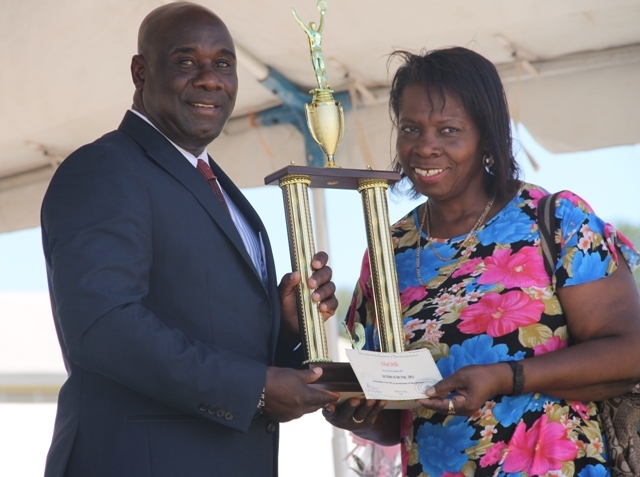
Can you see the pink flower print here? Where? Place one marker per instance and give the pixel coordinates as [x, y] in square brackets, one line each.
[543, 448]
[474, 295]
[365, 274]
[610, 233]
[587, 232]
[520, 270]
[536, 194]
[467, 267]
[581, 446]
[575, 200]
[493, 454]
[488, 432]
[552, 344]
[411, 294]
[598, 445]
[351, 316]
[453, 474]
[498, 315]
[569, 424]
[411, 326]
[432, 333]
[581, 409]
[584, 243]
[406, 425]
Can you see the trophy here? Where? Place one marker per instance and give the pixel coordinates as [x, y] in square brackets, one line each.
[325, 120]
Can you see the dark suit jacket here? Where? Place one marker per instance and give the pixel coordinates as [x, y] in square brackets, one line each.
[165, 326]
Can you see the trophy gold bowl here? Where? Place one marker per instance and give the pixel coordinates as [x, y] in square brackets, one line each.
[325, 120]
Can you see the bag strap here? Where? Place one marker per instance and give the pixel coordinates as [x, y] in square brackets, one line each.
[546, 222]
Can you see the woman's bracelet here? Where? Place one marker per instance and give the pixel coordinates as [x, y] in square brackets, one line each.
[518, 377]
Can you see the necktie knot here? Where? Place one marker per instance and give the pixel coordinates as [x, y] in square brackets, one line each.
[205, 170]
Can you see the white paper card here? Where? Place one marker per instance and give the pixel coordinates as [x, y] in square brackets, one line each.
[394, 376]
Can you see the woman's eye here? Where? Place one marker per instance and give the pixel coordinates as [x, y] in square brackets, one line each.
[187, 62]
[448, 130]
[408, 129]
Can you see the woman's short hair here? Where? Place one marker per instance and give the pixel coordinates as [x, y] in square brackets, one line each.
[475, 81]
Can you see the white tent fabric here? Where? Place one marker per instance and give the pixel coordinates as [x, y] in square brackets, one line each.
[571, 68]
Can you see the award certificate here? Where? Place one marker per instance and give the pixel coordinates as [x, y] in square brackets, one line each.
[394, 376]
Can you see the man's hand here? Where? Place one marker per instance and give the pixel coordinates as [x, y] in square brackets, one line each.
[323, 293]
[287, 395]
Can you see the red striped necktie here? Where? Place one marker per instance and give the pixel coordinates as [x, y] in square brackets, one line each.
[208, 174]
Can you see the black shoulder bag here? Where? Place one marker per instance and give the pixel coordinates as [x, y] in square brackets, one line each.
[620, 416]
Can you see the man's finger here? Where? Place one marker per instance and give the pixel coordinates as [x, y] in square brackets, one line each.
[310, 375]
[320, 259]
[289, 282]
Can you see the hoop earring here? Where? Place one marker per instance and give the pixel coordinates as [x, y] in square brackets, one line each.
[487, 161]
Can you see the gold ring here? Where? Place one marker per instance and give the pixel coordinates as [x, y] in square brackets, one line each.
[452, 410]
[353, 418]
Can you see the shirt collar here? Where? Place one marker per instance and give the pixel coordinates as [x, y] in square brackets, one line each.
[190, 157]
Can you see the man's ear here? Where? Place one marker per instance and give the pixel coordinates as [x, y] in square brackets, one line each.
[138, 70]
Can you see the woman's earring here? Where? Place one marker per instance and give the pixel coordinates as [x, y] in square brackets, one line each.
[488, 161]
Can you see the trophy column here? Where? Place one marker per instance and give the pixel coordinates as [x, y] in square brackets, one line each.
[300, 232]
[384, 279]
[295, 181]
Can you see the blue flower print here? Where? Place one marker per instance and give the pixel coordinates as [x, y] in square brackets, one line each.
[448, 443]
[406, 268]
[477, 350]
[587, 268]
[511, 225]
[511, 408]
[594, 471]
[632, 258]
[445, 249]
[372, 341]
[572, 219]
[537, 404]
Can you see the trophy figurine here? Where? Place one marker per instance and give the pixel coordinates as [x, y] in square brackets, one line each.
[325, 119]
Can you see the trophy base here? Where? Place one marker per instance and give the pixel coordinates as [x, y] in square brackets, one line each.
[340, 378]
[332, 177]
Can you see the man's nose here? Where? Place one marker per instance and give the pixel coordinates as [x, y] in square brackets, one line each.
[208, 78]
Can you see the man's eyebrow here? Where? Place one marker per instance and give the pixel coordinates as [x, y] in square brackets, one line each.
[190, 49]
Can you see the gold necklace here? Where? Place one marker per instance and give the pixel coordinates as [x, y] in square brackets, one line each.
[473, 232]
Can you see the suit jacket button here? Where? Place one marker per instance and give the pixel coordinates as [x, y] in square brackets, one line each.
[228, 416]
[203, 406]
[212, 410]
[220, 413]
[271, 427]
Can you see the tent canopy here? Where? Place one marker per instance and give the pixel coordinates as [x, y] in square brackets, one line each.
[571, 70]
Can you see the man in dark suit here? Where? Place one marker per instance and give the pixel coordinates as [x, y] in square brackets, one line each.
[174, 332]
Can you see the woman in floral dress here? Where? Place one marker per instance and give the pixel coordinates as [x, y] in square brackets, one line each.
[516, 399]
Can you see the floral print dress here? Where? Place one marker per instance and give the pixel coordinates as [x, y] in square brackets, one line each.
[495, 302]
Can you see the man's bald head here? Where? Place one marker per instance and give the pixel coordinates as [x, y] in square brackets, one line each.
[159, 21]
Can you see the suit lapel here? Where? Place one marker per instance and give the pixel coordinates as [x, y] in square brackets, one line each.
[254, 220]
[171, 160]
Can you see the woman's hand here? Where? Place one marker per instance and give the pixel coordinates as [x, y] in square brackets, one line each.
[354, 414]
[468, 389]
[366, 419]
